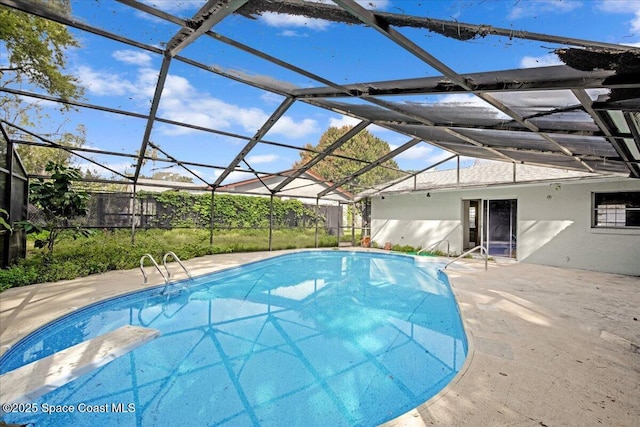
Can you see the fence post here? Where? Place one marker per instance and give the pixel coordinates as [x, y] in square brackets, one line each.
[339, 221]
[133, 213]
[6, 236]
[270, 220]
[317, 211]
[212, 211]
[353, 223]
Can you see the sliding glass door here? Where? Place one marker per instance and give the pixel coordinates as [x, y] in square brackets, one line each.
[500, 222]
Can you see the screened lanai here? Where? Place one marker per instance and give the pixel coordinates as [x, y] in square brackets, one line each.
[229, 90]
[233, 96]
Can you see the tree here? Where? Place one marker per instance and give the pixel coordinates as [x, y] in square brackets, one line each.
[35, 51]
[364, 146]
[36, 158]
[58, 201]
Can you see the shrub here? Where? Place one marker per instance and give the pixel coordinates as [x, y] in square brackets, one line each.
[58, 201]
[401, 248]
[18, 275]
[112, 250]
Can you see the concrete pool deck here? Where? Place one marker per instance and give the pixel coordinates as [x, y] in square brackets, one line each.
[548, 346]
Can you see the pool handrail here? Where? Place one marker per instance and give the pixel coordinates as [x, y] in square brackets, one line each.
[175, 257]
[426, 248]
[481, 248]
[155, 264]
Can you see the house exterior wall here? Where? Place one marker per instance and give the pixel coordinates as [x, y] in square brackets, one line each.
[553, 223]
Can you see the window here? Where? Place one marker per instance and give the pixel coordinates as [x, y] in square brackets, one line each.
[616, 210]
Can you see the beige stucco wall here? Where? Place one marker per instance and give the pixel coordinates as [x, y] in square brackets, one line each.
[554, 223]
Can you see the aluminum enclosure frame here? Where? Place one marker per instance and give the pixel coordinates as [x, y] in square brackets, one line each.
[586, 136]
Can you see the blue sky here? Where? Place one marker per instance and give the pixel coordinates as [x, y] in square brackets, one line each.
[120, 76]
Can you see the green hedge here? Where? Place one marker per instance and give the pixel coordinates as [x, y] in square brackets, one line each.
[180, 209]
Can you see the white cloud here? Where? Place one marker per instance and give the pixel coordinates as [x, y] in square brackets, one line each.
[262, 158]
[283, 20]
[141, 59]
[175, 86]
[292, 33]
[233, 177]
[618, 6]
[183, 8]
[271, 98]
[146, 82]
[286, 126]
[182, 102]
[540, 61]
[251, 119]
[630, 7]
[343, 121]
[44, 103]
[198, 172]
[533, 8]
[416, 152]
[100, 83]
[375, 129]
[173, 6]
[209, 112]
[635, 23]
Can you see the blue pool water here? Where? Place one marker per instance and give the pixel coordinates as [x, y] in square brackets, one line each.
[308, 339]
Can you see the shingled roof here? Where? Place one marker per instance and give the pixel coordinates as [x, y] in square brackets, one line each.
[483, 173]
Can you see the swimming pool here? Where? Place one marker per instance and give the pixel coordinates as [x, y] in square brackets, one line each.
[312, 338]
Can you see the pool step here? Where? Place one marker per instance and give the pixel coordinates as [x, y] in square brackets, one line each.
[31, 381]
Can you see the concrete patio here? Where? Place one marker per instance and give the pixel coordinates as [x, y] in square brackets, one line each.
[548, 346]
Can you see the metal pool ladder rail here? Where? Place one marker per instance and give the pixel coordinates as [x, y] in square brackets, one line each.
[479, 247]
[155, 264]
[164, 262]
